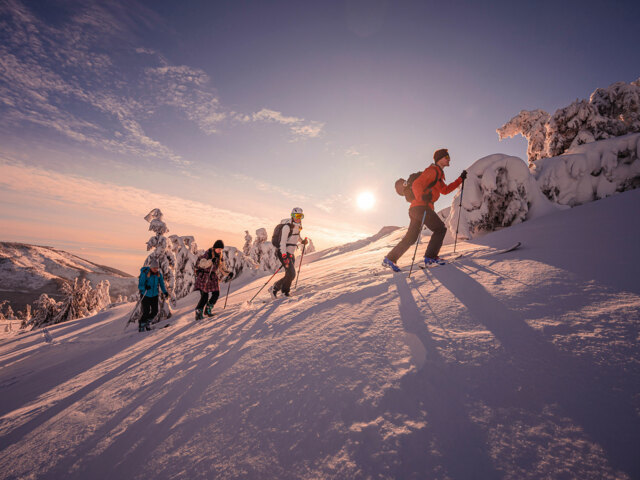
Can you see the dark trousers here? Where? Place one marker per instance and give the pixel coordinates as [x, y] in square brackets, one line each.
[149, 308]
[284, 284]
[204, 299]
[433, 223]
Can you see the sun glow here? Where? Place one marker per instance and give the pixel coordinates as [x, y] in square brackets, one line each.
[366, 201]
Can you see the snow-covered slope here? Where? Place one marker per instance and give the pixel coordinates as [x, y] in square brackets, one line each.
[26, 271]
[524, 365]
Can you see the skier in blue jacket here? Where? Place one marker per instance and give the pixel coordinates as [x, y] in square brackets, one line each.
[149, 284]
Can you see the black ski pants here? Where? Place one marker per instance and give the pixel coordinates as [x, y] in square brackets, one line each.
[284, 284]
[433, 223]
[204, 299]
[149, 308]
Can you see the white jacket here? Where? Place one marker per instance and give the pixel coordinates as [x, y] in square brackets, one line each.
[289, 238]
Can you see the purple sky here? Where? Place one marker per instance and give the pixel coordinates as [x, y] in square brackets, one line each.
[226, 115]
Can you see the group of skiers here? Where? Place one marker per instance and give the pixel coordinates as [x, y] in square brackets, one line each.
[210, 268]
[421, 189]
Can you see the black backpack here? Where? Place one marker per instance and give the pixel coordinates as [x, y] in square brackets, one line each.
[404, 187]
[277, 234]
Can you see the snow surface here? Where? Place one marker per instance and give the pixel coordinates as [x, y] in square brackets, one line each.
[519, 366]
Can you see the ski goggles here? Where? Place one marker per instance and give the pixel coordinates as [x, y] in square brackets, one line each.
[297, 216]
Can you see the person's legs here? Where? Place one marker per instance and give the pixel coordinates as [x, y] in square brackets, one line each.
[415, 215]
[289, 276]
[204, 296]
[277, 286]
[433, 223]
[212, 301]
[149, 311]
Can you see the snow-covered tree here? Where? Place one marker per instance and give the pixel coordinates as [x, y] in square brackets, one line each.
[263, 253]
[247, 243]
[310, 248]
[6, 312]
[165, 257]
[499, 191]
[43, 312]
[237, 262]
[76, 301]
[591, 171]
[98, 298]
[609, 112]
[185, 252]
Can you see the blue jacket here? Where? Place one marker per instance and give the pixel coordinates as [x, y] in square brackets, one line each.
[150, 282]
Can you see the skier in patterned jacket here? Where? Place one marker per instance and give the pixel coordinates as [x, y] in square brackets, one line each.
[286, 246]
[210, 268]
[426, 190]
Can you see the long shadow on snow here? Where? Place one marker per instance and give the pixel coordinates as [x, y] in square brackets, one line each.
[58, 369]
[450, 445]
[17, 434]
[186, 392]
[596, 397]
[130, 451]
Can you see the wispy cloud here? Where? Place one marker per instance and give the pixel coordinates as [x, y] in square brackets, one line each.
[66, 77]
[298, 126]
[125, 200]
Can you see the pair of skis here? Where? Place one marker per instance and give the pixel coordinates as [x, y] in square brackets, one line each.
[453, 257]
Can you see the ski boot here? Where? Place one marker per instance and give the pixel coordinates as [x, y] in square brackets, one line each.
[144, 327]
[273, 292]
[433, 262]
[389, 264]
[199, 315]
[208, 311]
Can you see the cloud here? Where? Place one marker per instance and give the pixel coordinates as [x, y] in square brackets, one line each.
[104, 196]
[89, 79]
[298, 126]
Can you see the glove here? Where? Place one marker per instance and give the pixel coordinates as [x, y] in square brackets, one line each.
[463, 175]
[141, 294]
[285, 259]
[305, 241]
[230, 276]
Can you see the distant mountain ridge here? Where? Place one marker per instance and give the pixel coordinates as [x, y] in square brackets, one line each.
[27, 271]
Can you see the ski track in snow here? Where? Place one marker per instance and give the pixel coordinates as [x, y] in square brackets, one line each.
[519, 366]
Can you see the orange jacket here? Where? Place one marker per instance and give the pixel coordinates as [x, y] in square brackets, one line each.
[421, 186]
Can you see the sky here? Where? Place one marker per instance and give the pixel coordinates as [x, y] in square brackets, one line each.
[226, 115]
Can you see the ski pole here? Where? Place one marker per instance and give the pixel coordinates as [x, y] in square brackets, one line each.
[265, 284]
[134, 309]
[300, 266]
[424, 215]
[459, 213]
[225, 298]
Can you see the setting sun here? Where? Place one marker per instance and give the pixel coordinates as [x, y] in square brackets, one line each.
[366, 201]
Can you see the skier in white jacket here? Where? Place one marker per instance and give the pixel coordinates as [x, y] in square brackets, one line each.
[286, 247]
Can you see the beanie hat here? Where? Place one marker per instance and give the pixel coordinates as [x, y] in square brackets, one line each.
[153, 263]
[218, 244]
[438, 154]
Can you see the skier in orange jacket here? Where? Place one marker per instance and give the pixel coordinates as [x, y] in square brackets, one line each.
[427, 188]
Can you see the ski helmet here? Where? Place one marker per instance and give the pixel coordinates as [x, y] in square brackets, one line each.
[297, 214]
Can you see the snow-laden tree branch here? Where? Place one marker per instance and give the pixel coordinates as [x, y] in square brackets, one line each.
[609, 112]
